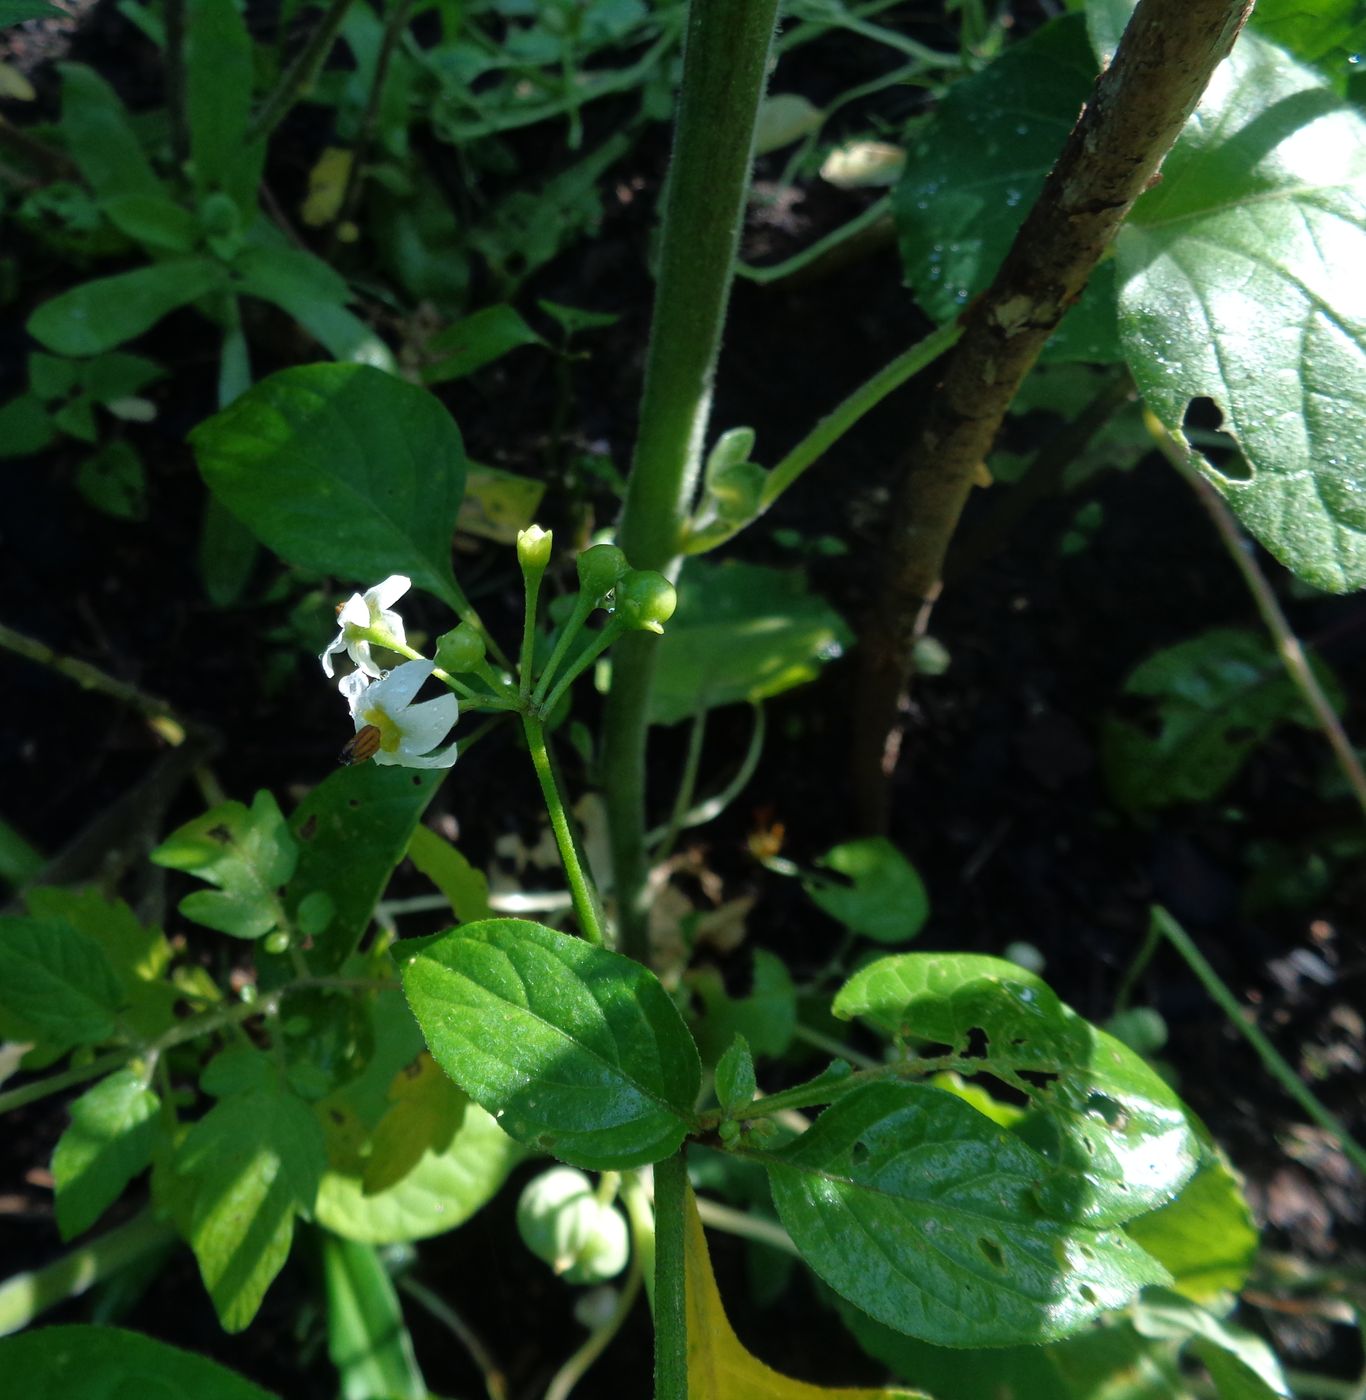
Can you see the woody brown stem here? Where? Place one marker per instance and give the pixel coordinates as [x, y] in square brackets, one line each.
[1136, 111]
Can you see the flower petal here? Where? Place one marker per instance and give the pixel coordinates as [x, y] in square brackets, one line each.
[395, 692]
[353, 687]
[424, 726]
[443, 758]
[360, 654]
[385, 595]
[337, 644]
[355, 612]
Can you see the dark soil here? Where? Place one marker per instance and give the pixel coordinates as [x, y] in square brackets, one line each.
[999, 799]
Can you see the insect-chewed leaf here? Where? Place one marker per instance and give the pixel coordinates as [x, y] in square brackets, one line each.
[1111, 1125]
[930, 1218]
[575, 1050]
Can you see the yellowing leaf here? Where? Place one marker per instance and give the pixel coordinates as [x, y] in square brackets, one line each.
[427, 1110]
[14, 86]
[719, 1368]
[326, 187]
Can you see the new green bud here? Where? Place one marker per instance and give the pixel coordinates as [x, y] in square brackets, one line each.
[277, 942]
[460, 650]
[600, 569]
[645, 600]
[533, 548]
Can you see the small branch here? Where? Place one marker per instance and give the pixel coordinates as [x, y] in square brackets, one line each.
[1271, 1058]
[573, 1370]
[300, 75]
[495, 1379]
[1240, 550]
[1136, 111]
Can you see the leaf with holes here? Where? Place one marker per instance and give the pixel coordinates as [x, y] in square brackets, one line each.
[1240, 281]
[1116, 1135]
[575, 1050]
[933, 1220]
[884, 898]
[1192, 713]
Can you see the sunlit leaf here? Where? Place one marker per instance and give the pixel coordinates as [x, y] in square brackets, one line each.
[884, 897]
[576, 1051]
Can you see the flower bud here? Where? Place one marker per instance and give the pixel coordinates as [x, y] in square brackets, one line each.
[645, 600]
[460, 650]
[533, 548]
[600, 569]
[561, 1220]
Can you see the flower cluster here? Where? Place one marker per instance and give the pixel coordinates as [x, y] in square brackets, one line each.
[389, 727]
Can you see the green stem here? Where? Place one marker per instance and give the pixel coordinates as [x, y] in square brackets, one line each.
[580, 888]
[583, 609]
[55, 1083]
[671, 1297]
[495, 1382]
[859, 225]
[300, 74]
[573, 1370]
[25, 1296]
[532, 579]
[866, 397]
[640, 1213]
[1270, 1057]
[725, 57]
[687, 785]
[604, 639]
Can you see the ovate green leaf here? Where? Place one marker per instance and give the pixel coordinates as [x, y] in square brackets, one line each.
[218, 84]
[1116, 1135]
[930, 1218]
[1240, 282]
[101, 139]
[577, 1051]
[100, 1363]
[56, 985]
[342, 469]
[113, 1127]
[476, 341]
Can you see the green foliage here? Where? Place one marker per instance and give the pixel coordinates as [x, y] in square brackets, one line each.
[477, 341]
[930, 1218]
[767, 1017]
[741, 632]
[247, 852]
[735, 1084]
[1234, 287]
[56, 985]
[95, 1363]
[366, 1338]
[109, 1142]
[576, 1050]
[341, 468]
[1198, 709]
[885, 899]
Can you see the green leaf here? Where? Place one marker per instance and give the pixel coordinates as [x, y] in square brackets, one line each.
[1115, 1133]
[138, 955]
[55, 984]
[573, 320]
[767, 1018]
[218, 83]
[315, 296]
[114, 481]
[1206, 1237]
[979, 164]
[448, 1184]
[1328, 33]
[886, 899]
[113, 1128]
[254, 1162]
[352, 831]
[154, 221]
[366, 1336]
[248, 854]
[342, 469]
[97, 316]
[101, 140]
[17, 11]
[577, 1051]
[101, 1363]
[464, 886]
[1109, 1362]
[735, 1083]
[1239, 283]
[425, 1113]
[1241, 1363]
[1199, 708]
[477, 341]
[933, 1220]
[740, 632]
[26, 427]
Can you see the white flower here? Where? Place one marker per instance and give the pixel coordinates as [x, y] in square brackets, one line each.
[407, 732]
[368, 611]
